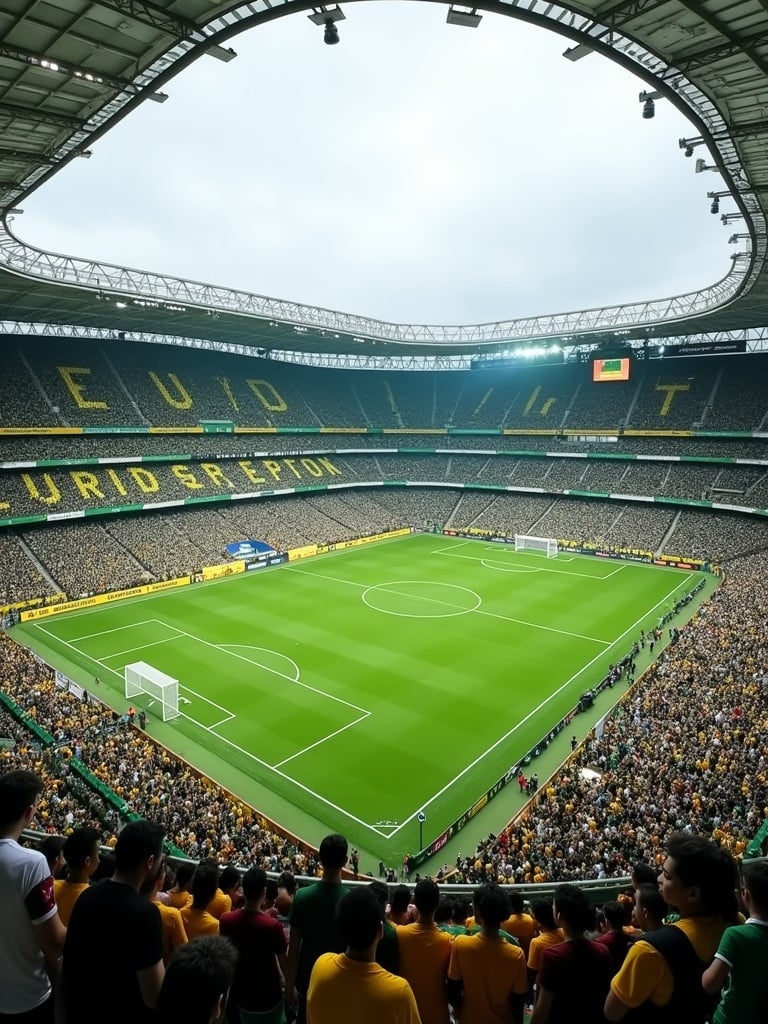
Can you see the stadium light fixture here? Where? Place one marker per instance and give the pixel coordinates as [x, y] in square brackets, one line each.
[648, 99]
[465, 16]
[222, 53]
[737, 238]
[157, 97]
[327, 17]
[728, 218]
[702, 165]
[575, 53]
[688, 145]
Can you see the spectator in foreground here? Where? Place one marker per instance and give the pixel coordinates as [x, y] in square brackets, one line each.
[663, 969]
[82, 855]
[387, 954]
[314, 928]
[197, 981]
[742, 956]
[31, 936]
[51, 848]
[197, 917]
[174, 932]
[549, 935]
[350, 987]
[425, 953]
[261, 947]
[486, 977]
[650, 908]
[613, 936]
[113, 953]
[574, 976]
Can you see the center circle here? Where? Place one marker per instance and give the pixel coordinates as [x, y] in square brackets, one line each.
[421, 599]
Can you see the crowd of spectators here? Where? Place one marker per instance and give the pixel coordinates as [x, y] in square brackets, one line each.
[122, 385]
[684, 750]
[20, 580]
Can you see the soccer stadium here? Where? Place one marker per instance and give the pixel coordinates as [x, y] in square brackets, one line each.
[488, 600]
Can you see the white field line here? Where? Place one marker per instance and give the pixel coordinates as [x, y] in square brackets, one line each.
[234, 746]
[222, 722]
[103, 632]
[388, 588]
[323, 740]
[530, 714]
[539, 568]
[153, 643]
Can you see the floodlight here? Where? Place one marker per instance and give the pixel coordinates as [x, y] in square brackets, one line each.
[715, 207]
[327, 16]
[702, 165]
[466, 16]
[649, 106]
[728, 217]
[331, 34]
[688, 145]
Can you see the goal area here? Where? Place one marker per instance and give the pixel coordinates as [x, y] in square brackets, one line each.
[141, 678]
[546, 544]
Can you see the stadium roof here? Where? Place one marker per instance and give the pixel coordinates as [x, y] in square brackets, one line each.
[71, 69]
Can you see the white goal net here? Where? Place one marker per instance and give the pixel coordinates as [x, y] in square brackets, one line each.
[546, 544]
[141, 678]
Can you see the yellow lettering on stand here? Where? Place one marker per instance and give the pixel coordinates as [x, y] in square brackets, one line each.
[250, 472]
[311, 467]
[273, 468]
[267, 395]
[87, 484]
[76, 389]
[184, 401]
[145, 481]
[53, 497]
[187, 477]
[291, 464]
[671, 390]
[329, 467]
[216, 474]
[117, 482]
[227, 389]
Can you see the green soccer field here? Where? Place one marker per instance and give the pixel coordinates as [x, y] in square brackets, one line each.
[350, 691]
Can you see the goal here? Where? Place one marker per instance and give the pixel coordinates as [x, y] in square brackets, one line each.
[141, 678]
[525, 543]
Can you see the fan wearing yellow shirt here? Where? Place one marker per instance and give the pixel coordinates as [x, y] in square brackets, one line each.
[425, 953]
[81, 855]
[197, 920]
[549, 935]
[350, 987]
[180, 896]
[220, 902]
[520, 924]
[487, 979]
[662, 971]
[174, 932]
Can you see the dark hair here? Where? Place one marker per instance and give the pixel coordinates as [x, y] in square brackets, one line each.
[50, 848]
[400, 898]
[287, 881]
[18, 791]
[106, 867]
[271, 890]
[78, 846]
[491, 905]
[643, 873]
[254, 883]
[754, 874]
[573, 906]
[205, 881]
[460, 910]
[444, 911]
[542, 911]
[381, 891]
[648, 897]
[702, 864]
[184, 873]
[333, 852]
[614, 914]
[426, 896]
[198, 975]
[229, 876]
[138, 841]
[516, 902]
[359, 916]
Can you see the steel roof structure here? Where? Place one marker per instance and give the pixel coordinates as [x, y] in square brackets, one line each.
[71, 69]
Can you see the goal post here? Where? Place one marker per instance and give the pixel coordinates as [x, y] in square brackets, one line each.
[547, 544]
[141, 678]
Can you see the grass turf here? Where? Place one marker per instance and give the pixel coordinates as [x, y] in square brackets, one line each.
[351, 691]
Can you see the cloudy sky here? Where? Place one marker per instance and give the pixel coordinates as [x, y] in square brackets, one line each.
[417, 172]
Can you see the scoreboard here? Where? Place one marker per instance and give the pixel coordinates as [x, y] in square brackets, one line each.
[612, 368]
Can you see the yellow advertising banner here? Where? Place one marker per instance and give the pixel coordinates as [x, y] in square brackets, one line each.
[24, 431]
[307, 551]
[216, 572]
[108, 598]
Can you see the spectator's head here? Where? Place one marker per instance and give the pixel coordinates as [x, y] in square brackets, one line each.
[197, 981]
[51, 848]
[444, 912]
[229, 882]
[139, 850]
[106, 867]
[205, 882]
[381, 892]
[81, 852]
[614, 915]
[287, 881]
[360, 919]
[572, 910]
[754, 875]
[400, 899]
[254, 885]
[461, 910]
[516, 902]
[642, 873]
[542, 911]
[491, 906]
[19, 794]
[426, 896]
[333, 853]
[184, 873]
[650, 908]
[698, 878]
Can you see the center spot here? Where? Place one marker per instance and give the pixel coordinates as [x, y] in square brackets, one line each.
[421, 599]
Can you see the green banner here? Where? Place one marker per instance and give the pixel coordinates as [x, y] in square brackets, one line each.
[43, 738]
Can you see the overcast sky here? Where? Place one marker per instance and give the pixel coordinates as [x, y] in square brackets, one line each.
[417, 172]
